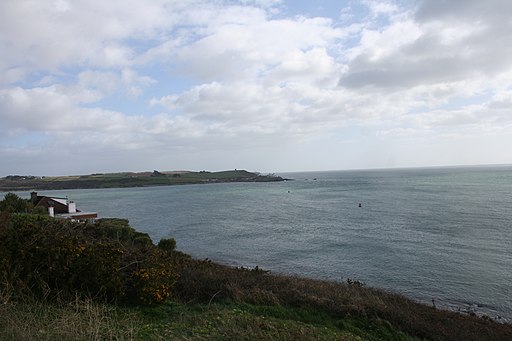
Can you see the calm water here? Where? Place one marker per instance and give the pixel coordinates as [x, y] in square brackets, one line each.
[443, 234]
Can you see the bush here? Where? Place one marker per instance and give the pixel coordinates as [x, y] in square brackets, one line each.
[45, 256]
[14, 204]
[153, 281]
[167, 245]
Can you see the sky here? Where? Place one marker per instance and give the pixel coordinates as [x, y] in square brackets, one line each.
[264, 85]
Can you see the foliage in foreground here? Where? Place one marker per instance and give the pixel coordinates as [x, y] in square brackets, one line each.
[83, 319]
[14, 204]
[78, 319]
[240, 321]
[206, 282]
[43, 256]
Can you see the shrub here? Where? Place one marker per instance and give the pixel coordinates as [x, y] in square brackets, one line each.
[14, 204]
[46, 256]
[167, 245]
[151, 281]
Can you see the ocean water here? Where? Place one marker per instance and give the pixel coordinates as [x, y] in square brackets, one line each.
[434, 233]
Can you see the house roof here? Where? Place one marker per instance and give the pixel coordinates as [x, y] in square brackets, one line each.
[60, 207]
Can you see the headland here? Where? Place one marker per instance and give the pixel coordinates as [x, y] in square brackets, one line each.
[130, 179]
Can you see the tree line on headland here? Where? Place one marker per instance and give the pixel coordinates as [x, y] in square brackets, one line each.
[129, 179]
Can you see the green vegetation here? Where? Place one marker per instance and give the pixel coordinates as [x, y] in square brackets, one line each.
[88, 320]
[115, 180]
[14, 204]
[104, 280]
[79, 319]
[45, 257]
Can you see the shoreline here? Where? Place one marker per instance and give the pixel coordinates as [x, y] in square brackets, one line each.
[131, 180]
[467, 308]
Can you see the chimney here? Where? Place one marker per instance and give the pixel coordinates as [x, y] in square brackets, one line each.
[51, 211]
[71, 207]
[33, 197]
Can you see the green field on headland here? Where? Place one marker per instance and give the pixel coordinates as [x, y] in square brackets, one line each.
[129, 179]
[103, 280]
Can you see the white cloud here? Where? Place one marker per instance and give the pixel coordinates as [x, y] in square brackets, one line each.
[310, 65]
[48, 35]
[50, 109]
[137, 80]
[381, 7]
[241, 50]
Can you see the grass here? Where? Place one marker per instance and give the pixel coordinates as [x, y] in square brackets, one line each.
[75, 320]
[351, 306]
[238, 321]
[87, 320]
[217, 302]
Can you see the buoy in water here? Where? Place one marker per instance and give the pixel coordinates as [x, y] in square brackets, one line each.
[360, 205]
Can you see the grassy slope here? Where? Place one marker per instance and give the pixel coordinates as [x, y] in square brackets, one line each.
[238, 321]
[217, 302]
[376, 310]
[85, 320]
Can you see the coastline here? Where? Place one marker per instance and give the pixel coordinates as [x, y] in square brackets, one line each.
[131, 180]
[170, 294]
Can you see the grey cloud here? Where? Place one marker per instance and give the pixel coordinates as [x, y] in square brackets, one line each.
[502, 104]
[448, 50]
[463, 10]
[406, 74]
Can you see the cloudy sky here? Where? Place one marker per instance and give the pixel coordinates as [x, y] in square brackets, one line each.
[101, 86]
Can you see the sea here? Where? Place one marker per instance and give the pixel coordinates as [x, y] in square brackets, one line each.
[440, 236]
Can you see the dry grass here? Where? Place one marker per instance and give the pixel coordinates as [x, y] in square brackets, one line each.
[205, 281]
[87, 320]
[224, 303]
[76, 320]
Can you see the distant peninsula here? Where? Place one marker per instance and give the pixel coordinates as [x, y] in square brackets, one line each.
[130, 179]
